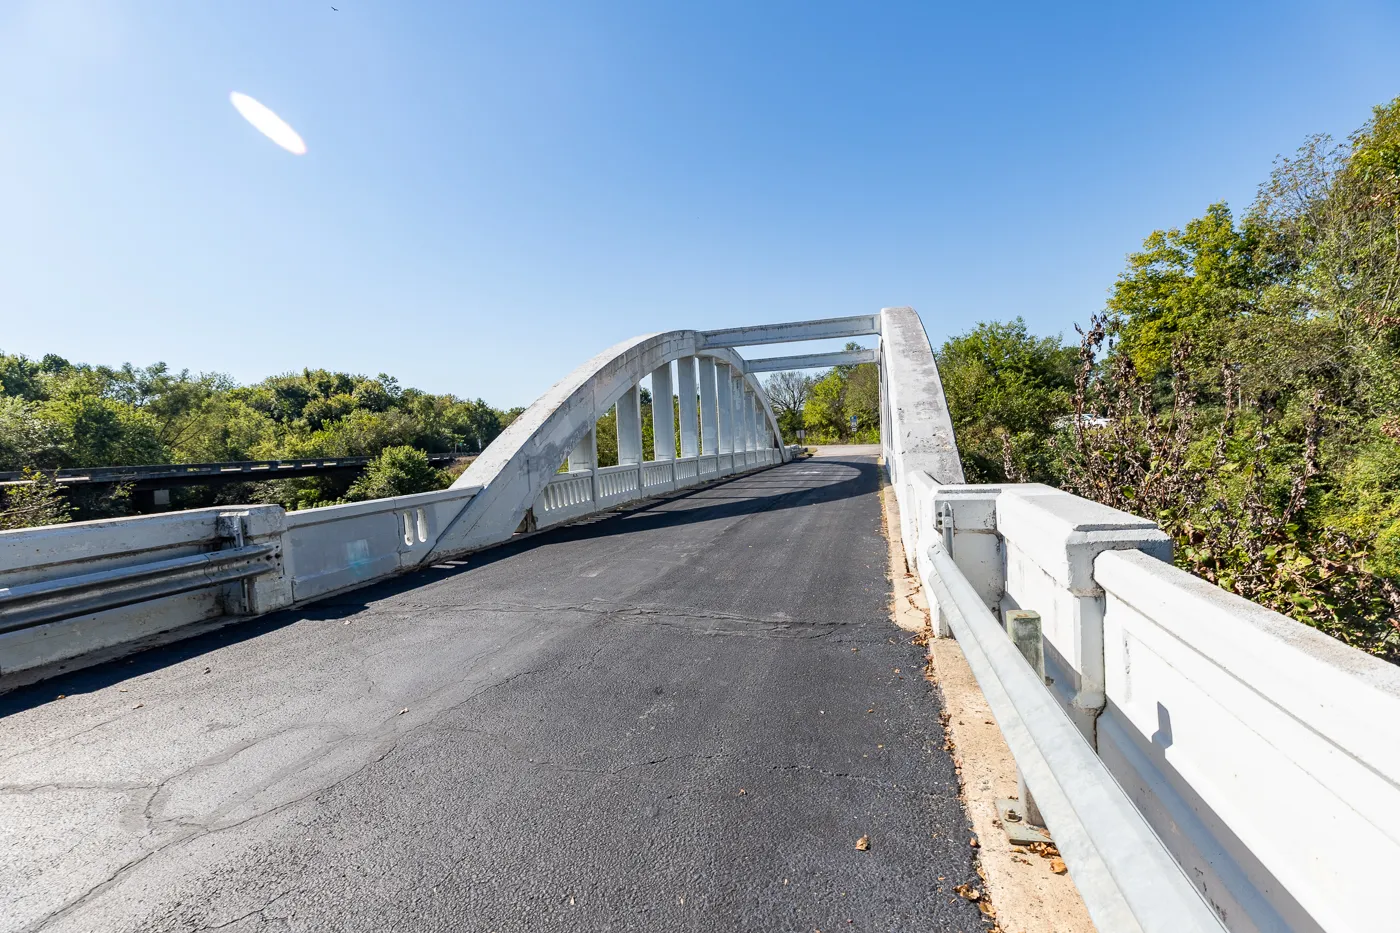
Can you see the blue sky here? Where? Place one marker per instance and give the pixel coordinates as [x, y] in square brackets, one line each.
[494, 192]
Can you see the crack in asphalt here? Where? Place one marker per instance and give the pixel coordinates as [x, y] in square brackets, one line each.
[258, 912]
[197, 829]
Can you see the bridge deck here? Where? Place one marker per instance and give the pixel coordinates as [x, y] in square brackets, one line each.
[679, 718]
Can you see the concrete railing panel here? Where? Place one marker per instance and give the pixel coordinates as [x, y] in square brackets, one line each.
[1265, 753]
[1129, 880]
[1049, 542]
[341, 546]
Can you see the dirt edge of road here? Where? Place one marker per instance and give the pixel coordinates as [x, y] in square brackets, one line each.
[1021, 890]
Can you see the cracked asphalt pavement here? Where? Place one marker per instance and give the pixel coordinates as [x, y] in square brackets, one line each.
[682, 717]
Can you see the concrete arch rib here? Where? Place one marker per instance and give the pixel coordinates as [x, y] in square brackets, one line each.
[519, 463]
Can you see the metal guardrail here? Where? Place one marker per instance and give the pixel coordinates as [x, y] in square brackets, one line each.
[32, 604]
[193, 472]
[1128, 879]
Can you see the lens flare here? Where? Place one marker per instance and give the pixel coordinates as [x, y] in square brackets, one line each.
[268, 123]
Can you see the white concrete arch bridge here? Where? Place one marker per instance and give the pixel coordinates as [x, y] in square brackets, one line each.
[667, 694]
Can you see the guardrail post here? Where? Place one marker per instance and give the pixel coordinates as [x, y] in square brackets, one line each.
[1024, 628]
[945, 522]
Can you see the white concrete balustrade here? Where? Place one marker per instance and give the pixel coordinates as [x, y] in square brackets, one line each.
[568, 495]
[311, 553]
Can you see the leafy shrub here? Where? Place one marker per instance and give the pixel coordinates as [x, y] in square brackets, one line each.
[397, 471]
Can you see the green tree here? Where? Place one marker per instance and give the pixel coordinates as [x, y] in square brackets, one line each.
[40, 501]
[606, 429]
[27, 440]
[788, 393]
[825, 413]
[397, 471]
[1005, 391]
[20, 377]
[99, 431]
[1186, 282]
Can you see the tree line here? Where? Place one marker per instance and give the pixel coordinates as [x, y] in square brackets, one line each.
[56, 414]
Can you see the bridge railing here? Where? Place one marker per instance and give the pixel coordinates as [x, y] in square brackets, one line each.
[724, 425]
[571, 494]
[1202, 762]
[1264, 754]
[337, 547]
[80, 589]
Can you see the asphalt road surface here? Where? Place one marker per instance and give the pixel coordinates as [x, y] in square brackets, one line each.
[679, 718]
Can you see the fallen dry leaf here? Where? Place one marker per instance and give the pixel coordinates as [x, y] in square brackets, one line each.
[1057, 865]
[968, 891]
[863, 843]
[138, 705]
[973, 842]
